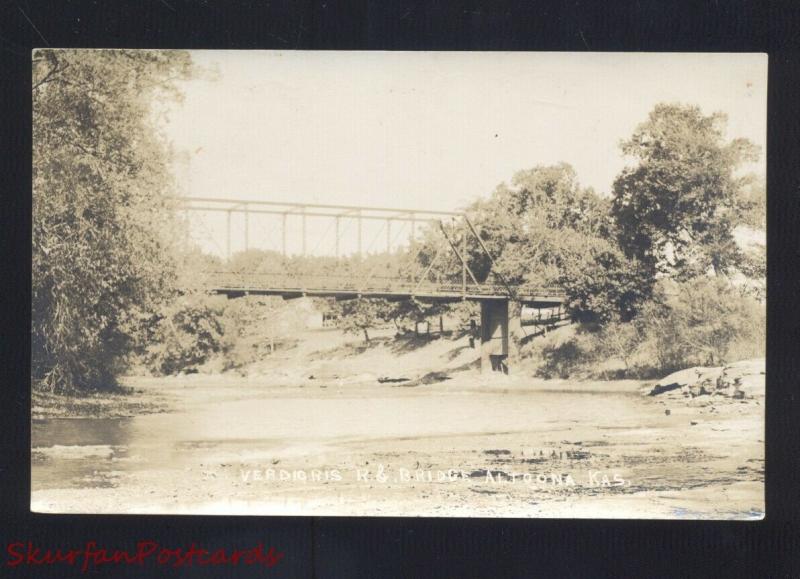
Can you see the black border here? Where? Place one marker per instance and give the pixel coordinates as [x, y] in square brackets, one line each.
[351, 547]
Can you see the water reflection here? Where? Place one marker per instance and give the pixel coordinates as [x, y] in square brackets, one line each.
[80, 431]
[82, 452]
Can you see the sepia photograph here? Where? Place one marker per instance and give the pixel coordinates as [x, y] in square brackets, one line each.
[417, 284]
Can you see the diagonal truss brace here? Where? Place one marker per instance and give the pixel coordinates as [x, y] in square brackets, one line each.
[458, 254]
[511, 292]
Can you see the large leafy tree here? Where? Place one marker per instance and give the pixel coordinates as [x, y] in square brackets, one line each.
[362, 314]
[517, 221]
[676, 208]
[545, 229]
[102, 224]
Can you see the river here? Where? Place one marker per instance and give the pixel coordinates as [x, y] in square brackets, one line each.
[215, 432]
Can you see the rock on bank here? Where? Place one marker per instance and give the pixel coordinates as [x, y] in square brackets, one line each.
[740, 380]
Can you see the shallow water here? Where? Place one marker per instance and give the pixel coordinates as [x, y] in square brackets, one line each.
[70, 453]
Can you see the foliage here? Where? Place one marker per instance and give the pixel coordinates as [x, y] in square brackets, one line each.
[705, 321]
[192, 264]
[620, 340]
[256, 261]
[362, 314]
[676, 209]
[698, 322]
[252, 325]
[515, 220]
[600, 282]
[753, 267]
[413, 312]
[464, 312]
[753, 201]
[102, 229]
[560, 361]
[545, 230]
[188, 332]
[349, 270]
[200, 332]
[563, 358]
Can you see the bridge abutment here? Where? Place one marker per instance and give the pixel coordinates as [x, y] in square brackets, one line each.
[501, 331]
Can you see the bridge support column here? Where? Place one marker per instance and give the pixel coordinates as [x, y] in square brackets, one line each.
[501, 330]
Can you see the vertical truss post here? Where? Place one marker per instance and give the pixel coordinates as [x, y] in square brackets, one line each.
[359, 233]
[246, 227]
[337, 236]
[388, 236]
[283, 234]
[464, 262]
[304, 233]
[228, 234]
[413, 226]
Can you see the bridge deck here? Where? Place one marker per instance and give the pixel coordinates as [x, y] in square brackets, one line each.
[346, 287]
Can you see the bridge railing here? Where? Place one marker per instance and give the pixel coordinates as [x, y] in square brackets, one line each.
[376, 284]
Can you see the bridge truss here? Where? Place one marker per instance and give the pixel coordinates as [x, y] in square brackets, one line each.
[454, 230]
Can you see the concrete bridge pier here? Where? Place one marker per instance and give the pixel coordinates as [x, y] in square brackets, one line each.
[501, 331]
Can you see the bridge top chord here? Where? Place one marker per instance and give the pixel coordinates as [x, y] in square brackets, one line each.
[453, 238]
[312, 209]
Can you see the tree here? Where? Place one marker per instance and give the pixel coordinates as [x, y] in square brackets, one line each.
[255, 261]
[676, 209]
[516, 221]
[103, 228]
[753, 199]
[413, 311]
[620, 340]
[600, 282]
[187, 333]
[362, 314]
[546, 230]
[697, 322]
[253, 324]
[193, 265]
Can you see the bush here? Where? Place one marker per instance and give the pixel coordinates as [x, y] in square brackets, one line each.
[186, 335]
[363, 314]
[253, 325]
[705, 321]
[563, 356]
[620, 340]
[561, 360]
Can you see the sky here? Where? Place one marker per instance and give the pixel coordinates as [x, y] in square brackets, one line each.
[433, 130]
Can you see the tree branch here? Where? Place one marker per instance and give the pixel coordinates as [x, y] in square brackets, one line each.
[49, 76]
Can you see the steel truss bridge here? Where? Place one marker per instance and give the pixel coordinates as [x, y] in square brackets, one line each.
[454, 231]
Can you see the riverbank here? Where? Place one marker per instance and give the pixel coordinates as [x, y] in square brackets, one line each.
[119, 402]
[325, 357]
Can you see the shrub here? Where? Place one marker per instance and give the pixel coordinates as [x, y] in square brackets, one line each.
[563, 357]
[252, 325]
[186, 335]
[362, 314]
[561, 360]
[620, 340]
[705, 321]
